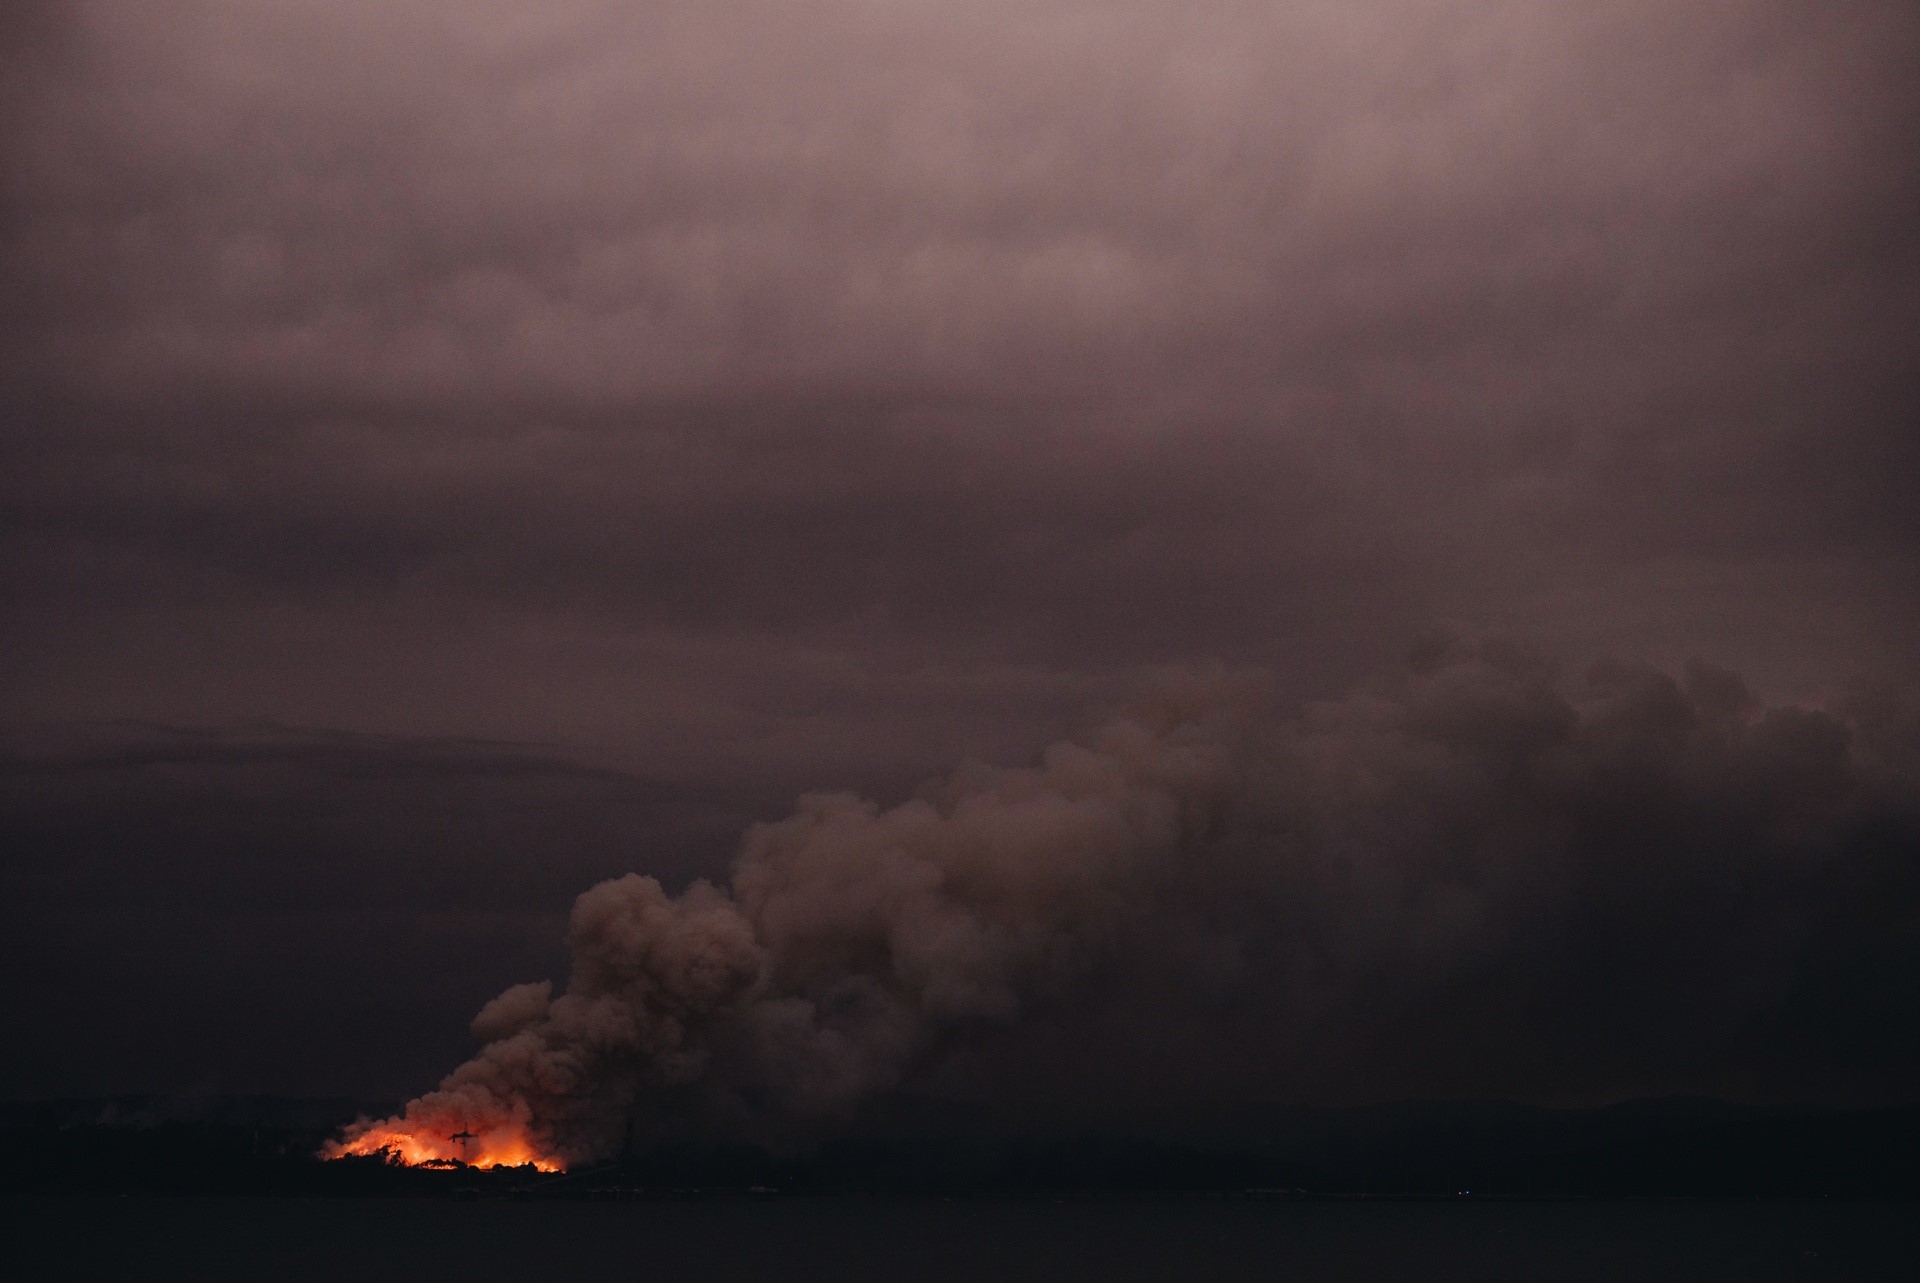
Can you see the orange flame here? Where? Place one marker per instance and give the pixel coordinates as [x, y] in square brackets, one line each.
[500, 1147]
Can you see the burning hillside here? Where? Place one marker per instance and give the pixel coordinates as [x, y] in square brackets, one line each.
[423, 1144]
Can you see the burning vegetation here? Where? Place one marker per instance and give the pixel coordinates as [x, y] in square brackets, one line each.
[427, 1145]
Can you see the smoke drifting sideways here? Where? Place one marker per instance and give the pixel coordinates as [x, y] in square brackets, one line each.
[1480, 878]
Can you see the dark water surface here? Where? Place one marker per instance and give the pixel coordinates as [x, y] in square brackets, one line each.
[986, 1239]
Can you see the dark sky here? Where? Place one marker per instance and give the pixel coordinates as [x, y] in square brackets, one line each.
[453, 452]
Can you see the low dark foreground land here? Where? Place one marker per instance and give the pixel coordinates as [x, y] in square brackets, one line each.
[1654, 1190]
[847, 1239]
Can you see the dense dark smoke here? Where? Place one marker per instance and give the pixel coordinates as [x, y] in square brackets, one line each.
[1483, 879]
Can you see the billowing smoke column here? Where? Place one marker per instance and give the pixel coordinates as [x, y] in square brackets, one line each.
[1472, 883]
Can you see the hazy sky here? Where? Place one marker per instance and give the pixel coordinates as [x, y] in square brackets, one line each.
[454, 450]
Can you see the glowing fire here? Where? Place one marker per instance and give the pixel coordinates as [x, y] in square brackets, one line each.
[502, 1147]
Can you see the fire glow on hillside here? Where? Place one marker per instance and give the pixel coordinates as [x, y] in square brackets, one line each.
[498, 1147]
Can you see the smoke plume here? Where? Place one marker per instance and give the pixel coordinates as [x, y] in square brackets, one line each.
[1482, 878]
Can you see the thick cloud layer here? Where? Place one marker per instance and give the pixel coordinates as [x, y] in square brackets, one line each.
[1476, 882]
[361, 358]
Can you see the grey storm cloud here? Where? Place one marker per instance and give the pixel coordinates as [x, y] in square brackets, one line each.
[457, 201]
[1017, 328]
